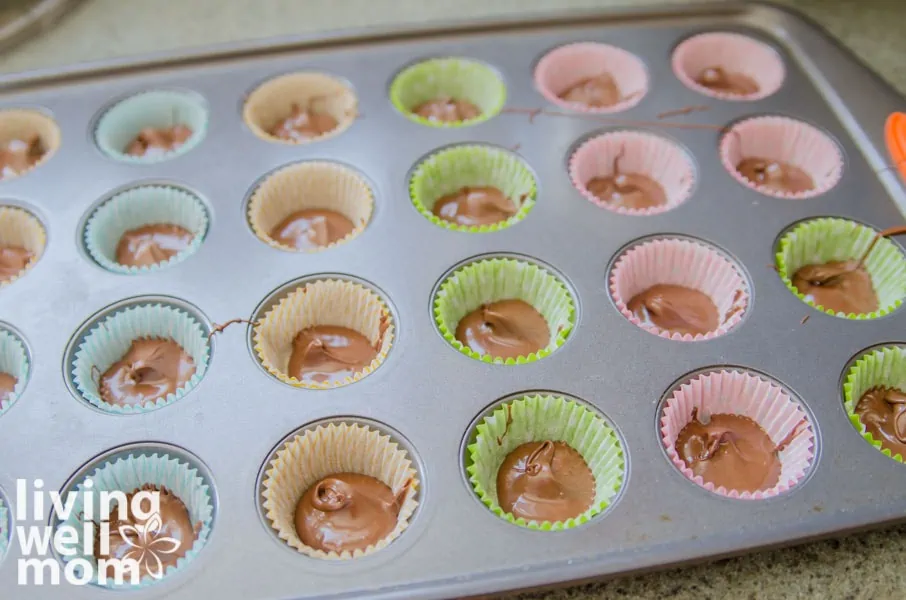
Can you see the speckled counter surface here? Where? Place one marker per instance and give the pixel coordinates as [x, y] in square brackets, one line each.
[860, 566]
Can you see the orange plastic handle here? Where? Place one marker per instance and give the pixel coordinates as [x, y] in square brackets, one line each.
[895, 134]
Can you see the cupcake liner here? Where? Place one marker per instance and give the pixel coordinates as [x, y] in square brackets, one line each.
[327, 450]
[786, 140]
[564, 67]
[131, 473]
[820, 241]
[4, 527]
[742, 393]
[322, 302]
[308, 185]
[884, 367]
[687, 263]
[120, 125]
[20, 228]
[19, 124]
[13, 361]
[137, 207]
[493, 279]
[448, 171]
[733, 53]
[642, 154]
[272, 102]
[542, 418]
[109, 340]
[457, 78]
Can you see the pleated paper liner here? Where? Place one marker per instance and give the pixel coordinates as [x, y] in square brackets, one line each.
[13, 361]
[23, 125]
[455, 78]
[823, 240]
[882, 367]
[487, 280]
[748, 394]
[109, 340]
[734, 53]
[127, 474]
[538, 418]
[4, 527]
[309, 185]
[785, 140]
[685, 262]
[21, 229]
[566, 66]
[272, 102]
[137, 207]
[322, 302]
[327, 450]
[449, 170]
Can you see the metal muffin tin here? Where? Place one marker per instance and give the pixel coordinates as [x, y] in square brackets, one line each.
[426, 390]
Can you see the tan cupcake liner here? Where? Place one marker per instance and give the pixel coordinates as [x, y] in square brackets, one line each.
[308, 185]
[21, 124]
[322, 302]
[20, 228]
[327, 450]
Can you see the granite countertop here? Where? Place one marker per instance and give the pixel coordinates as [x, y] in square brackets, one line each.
[860, 566]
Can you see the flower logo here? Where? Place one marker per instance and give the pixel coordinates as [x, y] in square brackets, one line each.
[147, 545]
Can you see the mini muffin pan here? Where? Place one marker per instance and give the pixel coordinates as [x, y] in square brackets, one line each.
[427, 396]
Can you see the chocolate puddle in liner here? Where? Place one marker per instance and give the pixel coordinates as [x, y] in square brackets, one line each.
[882, 411]
[504, 329]
[598, 91]
[775, 175]
[311, 228]
[13, 259]
[676, 309]
[841, 286]
[7, 385]
[545, 481]
[152, 141]
[627, 190]
[152, 244]
[719, 80]
[19, 156]
[151, 369]
[303, 124]
[472, 206]
[329, 353]
[447, 110]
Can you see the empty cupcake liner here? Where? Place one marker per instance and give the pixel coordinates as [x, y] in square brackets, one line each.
[122, 123]
[21, 124]
[737, 392]
[492, 279]
[308, 185]
[820, 241]
[322, 302]
[785, 140]
[733, 53]
[448, 171]
[4, 527]
[272, 102]
[108, 341]
[327, 450]
[456, 78]
[129, 474]
[640, 154]
[13, 361]
[564, 67]
[884, 367]
[20, 228]
[538, 418]
[138, 207]
[687, 263]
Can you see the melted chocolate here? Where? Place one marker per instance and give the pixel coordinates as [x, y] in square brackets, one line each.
[152, 244]
[600, 90]
[152, 141]
[715, 78]
[844, 287]
[151, 369]
[775, 175]
[19, 156]
[883, 412]
[13, 260]
[328, 353]
[311, 228]
[504, 329]
[627, 190]
[304, 124]
[447, 110]
[475, 206]
[545, 481]
[347, 512]
[7, 385]
[676, 309]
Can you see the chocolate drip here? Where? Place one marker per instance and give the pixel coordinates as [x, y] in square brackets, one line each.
[598, 91]
[152, 244]
[775, 175]
[311, 228]
[475, 206]
[328, 353]
[151, 369]
[627, 190]
[719, 80]
[504, 329]
[676, 309]
[882, 410]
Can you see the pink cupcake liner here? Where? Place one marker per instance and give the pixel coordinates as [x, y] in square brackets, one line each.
[566, 66]
[742, 393]
[731, 52]
[785, 140]
[642, 154]
[688, 263]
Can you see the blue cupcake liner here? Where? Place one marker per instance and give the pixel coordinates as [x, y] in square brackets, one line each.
[13, 361]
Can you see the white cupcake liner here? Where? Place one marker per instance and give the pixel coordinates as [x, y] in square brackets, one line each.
[22, 124]
[13, 361]
[4, 528]
[18, 227]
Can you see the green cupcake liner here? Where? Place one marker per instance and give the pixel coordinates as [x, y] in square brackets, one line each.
[137, 207]
[109, 340]
[130, 473]
[456, 78]
[824, 240]
[452, 169]
[13, 361]
[494, 279]
[119, 126]
[884, 367]
[4, 528]
[542, 418]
